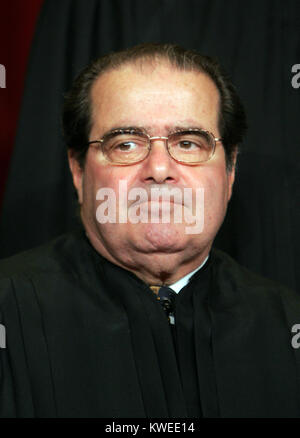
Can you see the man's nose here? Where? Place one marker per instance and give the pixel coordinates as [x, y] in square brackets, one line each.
[159, 165]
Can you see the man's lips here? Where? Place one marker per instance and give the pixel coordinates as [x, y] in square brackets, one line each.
[160, 202]
[160, 196]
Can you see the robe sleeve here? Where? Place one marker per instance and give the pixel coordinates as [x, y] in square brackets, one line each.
[15, 388]
[7, 396]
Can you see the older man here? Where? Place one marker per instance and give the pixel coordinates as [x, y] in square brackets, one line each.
[137, 315]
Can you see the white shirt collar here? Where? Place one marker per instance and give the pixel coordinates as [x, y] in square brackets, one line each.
[184, 280]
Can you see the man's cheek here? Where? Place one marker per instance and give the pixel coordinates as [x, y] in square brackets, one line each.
[215, 201]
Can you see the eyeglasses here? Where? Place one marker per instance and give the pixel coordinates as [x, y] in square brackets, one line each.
[130, 146]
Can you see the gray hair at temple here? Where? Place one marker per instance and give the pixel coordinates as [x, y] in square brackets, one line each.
[77, 104]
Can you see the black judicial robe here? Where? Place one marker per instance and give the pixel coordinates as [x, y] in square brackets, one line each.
[86, 338]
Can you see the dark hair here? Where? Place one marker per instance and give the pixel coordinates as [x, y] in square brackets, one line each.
[77, 106]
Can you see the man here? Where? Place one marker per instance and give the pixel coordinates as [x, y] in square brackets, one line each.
[137, 315]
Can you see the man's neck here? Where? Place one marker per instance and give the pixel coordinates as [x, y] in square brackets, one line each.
[153, 268]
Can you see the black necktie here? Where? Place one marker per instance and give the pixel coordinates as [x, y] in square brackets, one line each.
[166, 297]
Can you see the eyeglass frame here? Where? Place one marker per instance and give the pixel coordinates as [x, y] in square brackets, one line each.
[150, 139]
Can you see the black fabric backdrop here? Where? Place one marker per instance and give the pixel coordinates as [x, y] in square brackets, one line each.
[257, 41]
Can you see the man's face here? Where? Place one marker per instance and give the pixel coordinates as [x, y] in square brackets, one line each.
[159, 99]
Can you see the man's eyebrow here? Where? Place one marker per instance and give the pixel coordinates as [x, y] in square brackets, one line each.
[185, 127]
[126, 128]
[150, 130]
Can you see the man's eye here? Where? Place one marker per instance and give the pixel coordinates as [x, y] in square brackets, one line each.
[188, 145]
[129, 146]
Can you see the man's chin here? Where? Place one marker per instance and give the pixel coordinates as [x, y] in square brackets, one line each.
[160, 237]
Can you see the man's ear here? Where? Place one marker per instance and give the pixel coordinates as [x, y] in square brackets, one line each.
[231, 172]
[77, 174]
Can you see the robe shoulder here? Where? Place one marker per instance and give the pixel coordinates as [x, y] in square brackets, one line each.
[54, 256]
[237, 280]
[58, 258]
[242, 275]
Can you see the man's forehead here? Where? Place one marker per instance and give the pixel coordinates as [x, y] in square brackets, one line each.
[174, 94]
[146, 67]
[148, 72]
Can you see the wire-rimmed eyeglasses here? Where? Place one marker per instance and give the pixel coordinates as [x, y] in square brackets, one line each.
[130, 146]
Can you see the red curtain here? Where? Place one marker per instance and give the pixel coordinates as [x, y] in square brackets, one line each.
[17, 24]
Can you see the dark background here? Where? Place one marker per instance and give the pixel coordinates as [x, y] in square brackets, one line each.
[257, 41]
